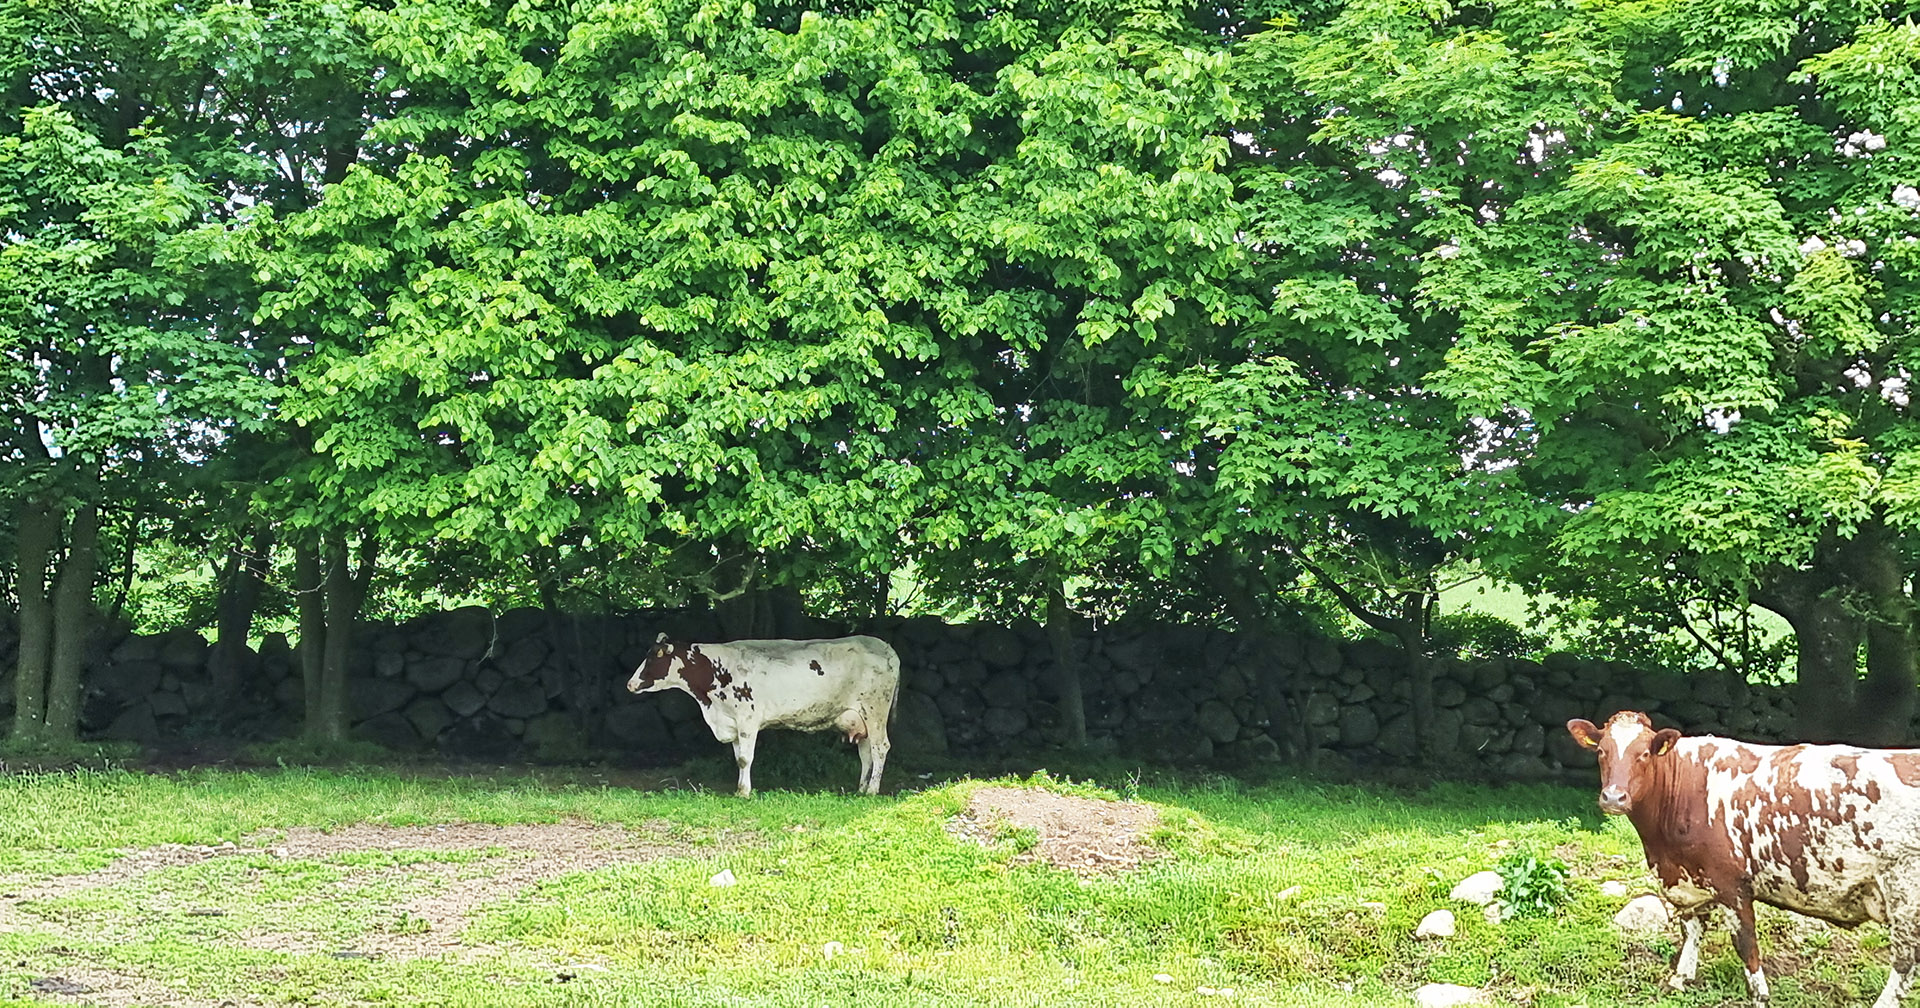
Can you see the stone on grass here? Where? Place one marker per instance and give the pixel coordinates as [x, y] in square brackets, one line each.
[725, 878]
[1480, 888]
[1613, 889]
[1642, 913]
[1440, 995]
[1438, 924]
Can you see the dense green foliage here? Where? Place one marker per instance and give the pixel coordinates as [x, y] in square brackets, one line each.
[1224, 312]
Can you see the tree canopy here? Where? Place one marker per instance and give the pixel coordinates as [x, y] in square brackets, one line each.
[1195, 307]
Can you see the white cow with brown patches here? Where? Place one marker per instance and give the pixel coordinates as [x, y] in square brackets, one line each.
[1824, 830]
[846, 684]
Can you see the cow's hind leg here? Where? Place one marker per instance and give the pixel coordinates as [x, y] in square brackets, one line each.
[1900, 891]
[866, 762]
[877, 745]
[743, 758]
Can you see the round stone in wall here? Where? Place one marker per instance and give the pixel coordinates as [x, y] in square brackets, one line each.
[1005, 721]
[1217, 721]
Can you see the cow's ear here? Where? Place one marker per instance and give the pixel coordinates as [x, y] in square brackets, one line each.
[662, 639]
[1584, 733]
[1664, 739]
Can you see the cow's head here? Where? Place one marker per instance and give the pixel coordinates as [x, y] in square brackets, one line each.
[658, 669]
[1630, 752]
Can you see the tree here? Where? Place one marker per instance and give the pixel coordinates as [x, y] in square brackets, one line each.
[96, 279]
[1698, 331]
[147, 316]
[698, 283]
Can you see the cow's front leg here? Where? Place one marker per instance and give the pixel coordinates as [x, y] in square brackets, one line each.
[1693, 924]
[1746, 941]
[743, 758]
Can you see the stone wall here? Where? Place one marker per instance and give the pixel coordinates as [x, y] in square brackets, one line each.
[524, 684]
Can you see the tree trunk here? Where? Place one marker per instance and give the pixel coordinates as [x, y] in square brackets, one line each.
[129, 548]
[1827, 665]
[1412, 631]
[312, 606]
[1284, 699]
[882, 594]
[1887, 693]
[36, 535]
[240, 587]
[73, 620]
[343, 609]
[1066, 663]
[332, 592]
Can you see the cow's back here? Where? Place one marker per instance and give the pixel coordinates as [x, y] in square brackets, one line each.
[810, 683]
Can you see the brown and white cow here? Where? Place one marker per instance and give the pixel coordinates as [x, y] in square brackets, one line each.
[845, 684]
[1824, 830]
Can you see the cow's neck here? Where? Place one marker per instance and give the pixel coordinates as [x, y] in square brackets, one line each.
[1674, 809]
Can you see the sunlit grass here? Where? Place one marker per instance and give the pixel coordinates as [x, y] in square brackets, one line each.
[1289, 892]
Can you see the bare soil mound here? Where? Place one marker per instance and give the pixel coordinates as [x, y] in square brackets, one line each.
[1086, 836]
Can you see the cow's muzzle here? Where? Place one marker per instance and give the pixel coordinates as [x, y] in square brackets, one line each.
[1614, 801]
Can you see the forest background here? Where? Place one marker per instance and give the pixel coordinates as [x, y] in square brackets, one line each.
[1253, 314]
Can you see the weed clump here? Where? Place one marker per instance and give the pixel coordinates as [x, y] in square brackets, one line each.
[1531, 885]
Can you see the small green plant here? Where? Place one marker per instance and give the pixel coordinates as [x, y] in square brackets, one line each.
[406, 923]
[1530, 885]
[1020, 839]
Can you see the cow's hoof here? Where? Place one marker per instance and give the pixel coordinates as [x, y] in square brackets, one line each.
[1677, 983]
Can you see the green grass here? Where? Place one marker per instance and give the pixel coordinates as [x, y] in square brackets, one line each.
[1292, 892]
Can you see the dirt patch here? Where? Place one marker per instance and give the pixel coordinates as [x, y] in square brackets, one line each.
[514, 859]
[428, 900]
[88, 985]
[1086, 836]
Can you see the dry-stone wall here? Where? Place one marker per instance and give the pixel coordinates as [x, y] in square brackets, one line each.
[528, 684]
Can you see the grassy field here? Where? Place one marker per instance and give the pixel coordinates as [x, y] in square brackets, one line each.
[292, 886]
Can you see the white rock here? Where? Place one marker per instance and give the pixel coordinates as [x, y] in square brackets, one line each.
[1162, 978]
[1438, 995]
[1643, 913]
[1287, 893]
[1438, 924]
[1478, 888]
[1613, 889]
[725, 878]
